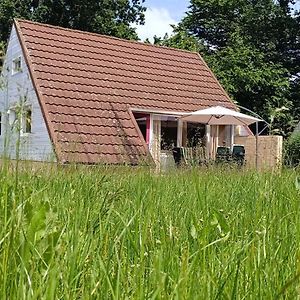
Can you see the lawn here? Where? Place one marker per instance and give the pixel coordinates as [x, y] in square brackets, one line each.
[126, 233]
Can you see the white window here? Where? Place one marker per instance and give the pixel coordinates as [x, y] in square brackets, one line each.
[17, 65]
[20, 119]
[26, 121]
[11, 116]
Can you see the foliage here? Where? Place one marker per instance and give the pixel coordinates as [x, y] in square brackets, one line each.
[111, 17]
[255, 83]
[181, 40]
[268, 25]
[292, 150]
[295, 96]
[253, 48]
[104, 233]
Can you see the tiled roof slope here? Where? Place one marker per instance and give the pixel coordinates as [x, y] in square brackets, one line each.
[87, 83]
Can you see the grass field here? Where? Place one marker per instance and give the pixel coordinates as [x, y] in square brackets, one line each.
[123, 233]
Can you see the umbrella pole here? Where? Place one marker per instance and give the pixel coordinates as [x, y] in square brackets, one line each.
[256, 146]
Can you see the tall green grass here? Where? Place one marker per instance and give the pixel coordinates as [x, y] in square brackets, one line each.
[95, 233]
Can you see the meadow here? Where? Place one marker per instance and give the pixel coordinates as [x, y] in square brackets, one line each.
[127, 233]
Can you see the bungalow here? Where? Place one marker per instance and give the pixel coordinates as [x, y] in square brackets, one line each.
[73, 96]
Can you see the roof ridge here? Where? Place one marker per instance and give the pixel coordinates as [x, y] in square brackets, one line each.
[106, 36]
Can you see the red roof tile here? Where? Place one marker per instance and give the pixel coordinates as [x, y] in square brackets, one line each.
[87, 83]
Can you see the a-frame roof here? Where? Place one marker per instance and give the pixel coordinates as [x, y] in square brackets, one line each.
[88, 83]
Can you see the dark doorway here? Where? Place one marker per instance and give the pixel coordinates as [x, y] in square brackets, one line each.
[143, 123]
[195, 134]
[168, 134]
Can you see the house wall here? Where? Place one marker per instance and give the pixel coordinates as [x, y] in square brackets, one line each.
[18, 88]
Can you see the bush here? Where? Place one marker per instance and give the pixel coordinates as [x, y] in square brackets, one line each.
[292, 150]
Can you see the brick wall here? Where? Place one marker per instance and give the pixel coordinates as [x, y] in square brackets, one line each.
[269, 151]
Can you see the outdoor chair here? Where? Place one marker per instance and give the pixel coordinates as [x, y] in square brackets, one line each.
[223, 154]
[238, 154]
[178, 155]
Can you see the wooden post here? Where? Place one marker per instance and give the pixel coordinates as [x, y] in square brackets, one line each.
[148, 129]
[208, 141]
[179, 133]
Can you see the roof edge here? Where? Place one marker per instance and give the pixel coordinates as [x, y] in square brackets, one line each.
[107, 36]
[36, 87]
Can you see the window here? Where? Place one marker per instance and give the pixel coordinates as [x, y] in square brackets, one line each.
[16, 65]
[11, 116]
[26, 121]
[20, 119]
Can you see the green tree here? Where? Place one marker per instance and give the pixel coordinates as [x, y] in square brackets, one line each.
[255, 82]
[180, 40]
[111, 17]
[253, 48]
[268, 25]
[292, 150]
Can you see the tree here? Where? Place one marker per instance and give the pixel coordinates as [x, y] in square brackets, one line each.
[254, 82]
[111, 17]
[268, 25]
[292, 150]
[253, 48]
[180, 40]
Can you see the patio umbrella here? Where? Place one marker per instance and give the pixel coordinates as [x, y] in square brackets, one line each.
[219, 115]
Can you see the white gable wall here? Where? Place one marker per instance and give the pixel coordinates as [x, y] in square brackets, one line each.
[15, 89]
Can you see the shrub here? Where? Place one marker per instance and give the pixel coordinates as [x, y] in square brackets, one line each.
[292, 150]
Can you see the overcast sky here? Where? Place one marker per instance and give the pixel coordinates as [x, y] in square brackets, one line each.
[161, 13]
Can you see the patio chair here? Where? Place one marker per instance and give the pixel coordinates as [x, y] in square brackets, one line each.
[238, 154]
[223, 154]
[178, 155]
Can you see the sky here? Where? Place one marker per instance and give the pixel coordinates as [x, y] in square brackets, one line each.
[161, 13]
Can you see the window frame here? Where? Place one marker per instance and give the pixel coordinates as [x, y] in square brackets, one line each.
[19, 69]
[24, 121]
